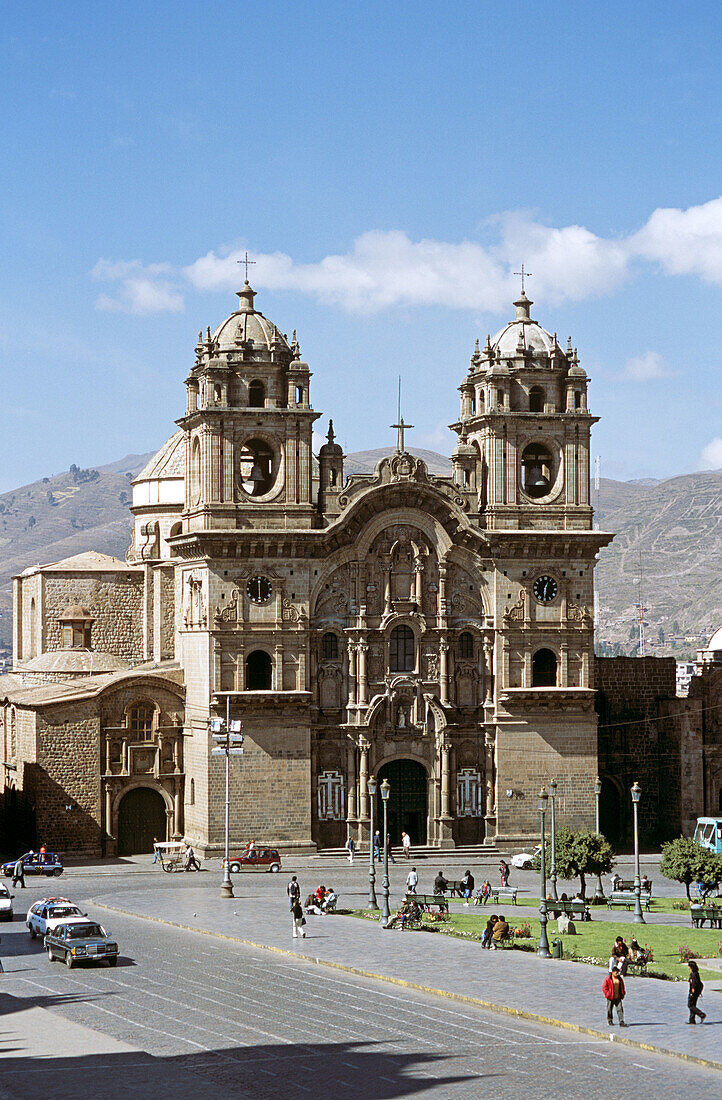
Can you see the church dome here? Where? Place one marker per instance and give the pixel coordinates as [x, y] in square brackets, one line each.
[522, 332]
[715, 642]
[246, 325]
[169, 461]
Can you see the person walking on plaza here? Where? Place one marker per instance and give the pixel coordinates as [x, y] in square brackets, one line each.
[294, 892]
[504, 872]
[19, 873]
[192, 863]
[695, 989]
[298, 920]
[156, 853]
[351, 846]
[467, 885]
[412, 881]
[613, 990]
[389, 849]
[377, 846]
[406, 843]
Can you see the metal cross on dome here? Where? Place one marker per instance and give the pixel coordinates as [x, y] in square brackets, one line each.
[401, 426]
[247, 262]
[524, 275]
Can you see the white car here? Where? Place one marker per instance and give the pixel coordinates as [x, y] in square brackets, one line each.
[525, 860]
[47, 913]
[6, 903]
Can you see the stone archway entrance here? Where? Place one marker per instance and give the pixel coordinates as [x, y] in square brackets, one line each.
[141, 816]
[407, 809]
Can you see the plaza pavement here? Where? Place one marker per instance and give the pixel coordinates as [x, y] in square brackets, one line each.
[514, 982]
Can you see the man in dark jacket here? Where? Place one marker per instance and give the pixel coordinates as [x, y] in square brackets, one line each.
[467, 885]
[440, 884]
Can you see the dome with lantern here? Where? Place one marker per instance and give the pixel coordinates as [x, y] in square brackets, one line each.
[248, 326]
[523, 334]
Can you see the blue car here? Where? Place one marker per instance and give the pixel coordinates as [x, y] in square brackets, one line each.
[37, 863]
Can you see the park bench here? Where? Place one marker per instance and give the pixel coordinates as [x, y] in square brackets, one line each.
[571, 908]
[456, 888]
[701, 913]
[430, 901]
[504, 893]
[622, 899]
[507, 940]
[628, 884]
[639, 967]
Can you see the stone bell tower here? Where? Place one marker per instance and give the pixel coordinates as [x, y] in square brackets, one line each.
[524, 412]
[248, 425]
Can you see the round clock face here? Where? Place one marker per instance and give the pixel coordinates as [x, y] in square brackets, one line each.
[545, 589]
[259, 589]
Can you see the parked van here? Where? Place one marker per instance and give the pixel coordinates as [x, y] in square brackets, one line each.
[708, 833]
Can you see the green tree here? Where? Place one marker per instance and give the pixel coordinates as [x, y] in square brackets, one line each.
[684, 860]
[578, 854]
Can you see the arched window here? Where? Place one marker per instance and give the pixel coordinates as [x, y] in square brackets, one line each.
[258, 671]
[176, 529]
[544, 669]
[256, 395]
[472, 403]
[33, 630]
[577, 400]
[480, 400]
[536, 399]
[216, 393]
[256, 462]
[140, 721]
[299, 395]
[192, 795]
[466, 645]
[402, 650]
[329, 646]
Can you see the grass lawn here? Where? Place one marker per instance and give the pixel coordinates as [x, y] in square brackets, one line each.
[594, 939]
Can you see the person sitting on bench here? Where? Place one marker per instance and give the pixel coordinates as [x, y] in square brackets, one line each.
[500, 930]
[440, 884]
[329, 902]
[486, 938]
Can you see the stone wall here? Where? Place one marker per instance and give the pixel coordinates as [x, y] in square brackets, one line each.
[114, 599]
[67, 774]
[639, 741]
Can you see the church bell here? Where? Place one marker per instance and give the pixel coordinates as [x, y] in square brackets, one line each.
[535, 480]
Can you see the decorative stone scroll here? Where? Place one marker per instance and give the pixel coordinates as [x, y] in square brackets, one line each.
[515, 612]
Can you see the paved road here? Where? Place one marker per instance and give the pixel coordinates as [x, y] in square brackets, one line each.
[196, 1015]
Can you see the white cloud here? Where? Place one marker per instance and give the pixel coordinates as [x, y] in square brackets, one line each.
[646, 368]
[142, 289]
[384, 268]
[684, 242]
[711, 457]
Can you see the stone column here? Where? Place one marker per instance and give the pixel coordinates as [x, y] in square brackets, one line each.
[488, 671]
[108, 810]
[445, 819]
[277, 679]
[490, 781]
[125, 758]
[363, 789]
[351, 673]
[386, 567]
[444, 670]
[441, 598]
[177, 808]
[362, 650]
[351, 786]
[563, 678]
[418, 583]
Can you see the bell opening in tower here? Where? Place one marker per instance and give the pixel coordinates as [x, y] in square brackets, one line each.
[537, 470]
[256, 467]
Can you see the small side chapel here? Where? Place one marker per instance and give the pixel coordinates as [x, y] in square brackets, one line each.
[434, 631]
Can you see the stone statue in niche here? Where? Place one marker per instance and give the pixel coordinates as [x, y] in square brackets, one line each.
[400, 719]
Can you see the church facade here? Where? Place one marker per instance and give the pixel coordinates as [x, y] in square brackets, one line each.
[434, 631]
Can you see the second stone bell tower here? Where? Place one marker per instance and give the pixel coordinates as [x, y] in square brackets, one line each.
[248, 425]
[524, 430]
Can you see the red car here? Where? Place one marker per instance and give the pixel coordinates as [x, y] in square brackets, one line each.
[255, 859]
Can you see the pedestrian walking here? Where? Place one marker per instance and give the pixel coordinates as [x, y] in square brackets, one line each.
[156, 853]
[377, 846]
[696, 986]
[412, 881]
[504, 872]
[351, 846]
[298, 920]
[406, 844]
[613, 990]
[294, 892]
[467, 885]
[19, 873]
[388, 848]
[192, 863]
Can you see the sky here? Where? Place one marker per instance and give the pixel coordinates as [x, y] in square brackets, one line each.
[388, 167]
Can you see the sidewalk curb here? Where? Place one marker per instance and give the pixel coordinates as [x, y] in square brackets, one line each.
[461, 998]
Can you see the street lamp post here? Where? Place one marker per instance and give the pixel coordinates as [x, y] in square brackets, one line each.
[638, 917]
[553, 868]
[229, 742]
[385, 913]
[371, 788]
[543, 950]
[598, 890]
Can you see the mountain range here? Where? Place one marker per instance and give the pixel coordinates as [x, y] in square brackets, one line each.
[672, 526]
